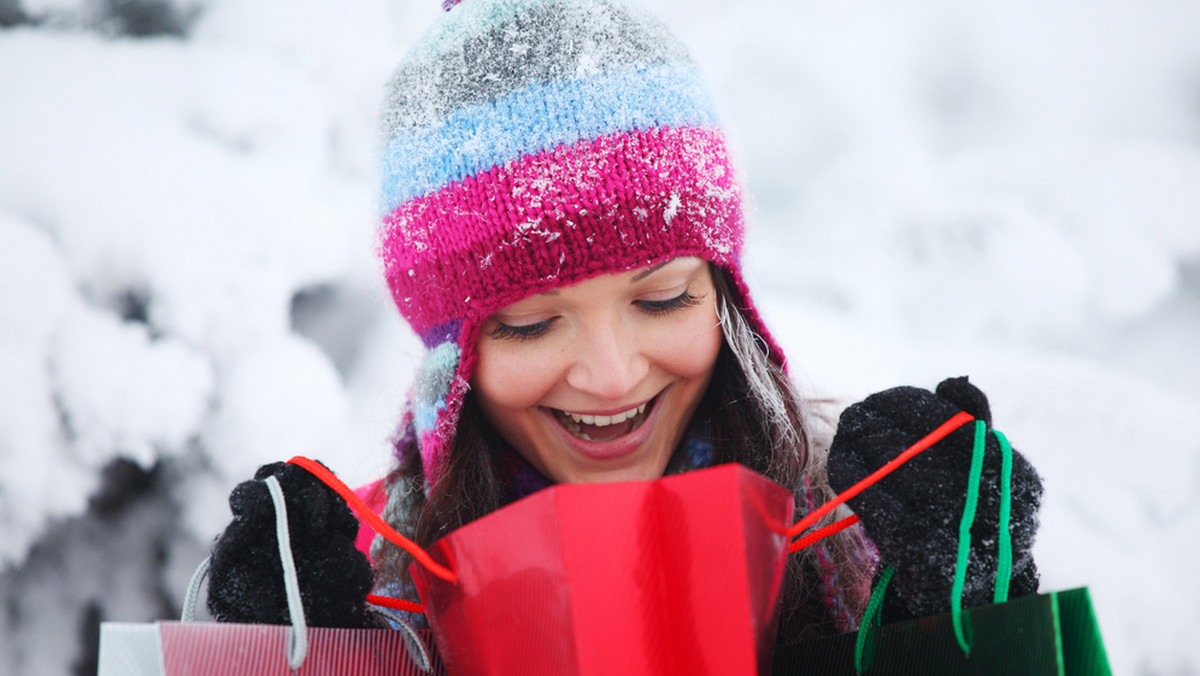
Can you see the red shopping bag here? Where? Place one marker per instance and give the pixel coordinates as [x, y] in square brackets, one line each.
[676, 576]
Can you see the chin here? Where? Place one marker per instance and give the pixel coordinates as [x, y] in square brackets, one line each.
[631, 474]
[646, 471]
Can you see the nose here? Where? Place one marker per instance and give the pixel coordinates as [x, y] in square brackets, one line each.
[608, 364]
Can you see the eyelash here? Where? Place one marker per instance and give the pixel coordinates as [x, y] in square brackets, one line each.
[653, 307]
[659, 307]
[521, 333]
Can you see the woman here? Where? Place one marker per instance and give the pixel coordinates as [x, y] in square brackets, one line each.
[562, 228]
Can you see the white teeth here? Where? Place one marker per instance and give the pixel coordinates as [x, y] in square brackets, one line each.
[606, 420]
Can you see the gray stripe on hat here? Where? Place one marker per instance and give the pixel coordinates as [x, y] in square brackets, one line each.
[558, 41]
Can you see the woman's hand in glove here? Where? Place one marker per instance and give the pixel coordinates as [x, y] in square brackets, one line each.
[913, 514]
[246, 575]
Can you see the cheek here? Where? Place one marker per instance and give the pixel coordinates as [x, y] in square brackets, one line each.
[690, 348]
[509, 379]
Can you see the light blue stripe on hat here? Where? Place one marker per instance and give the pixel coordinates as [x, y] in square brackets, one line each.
[541, 117]
[433, 384]
[425, 414]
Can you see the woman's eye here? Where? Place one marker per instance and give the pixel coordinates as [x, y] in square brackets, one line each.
[524, 332]
[683, 300]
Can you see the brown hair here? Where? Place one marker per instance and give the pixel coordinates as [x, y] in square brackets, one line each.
[755, 417]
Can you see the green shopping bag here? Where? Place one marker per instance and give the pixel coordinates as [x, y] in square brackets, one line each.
[1053, 634]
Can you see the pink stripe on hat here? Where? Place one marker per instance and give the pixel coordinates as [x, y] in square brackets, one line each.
[602, 205]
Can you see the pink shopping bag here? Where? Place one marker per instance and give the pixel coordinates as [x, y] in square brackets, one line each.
[218, 649]
[228, 649]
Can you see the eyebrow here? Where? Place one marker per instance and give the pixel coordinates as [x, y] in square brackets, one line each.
[636, 278]
[651, 270]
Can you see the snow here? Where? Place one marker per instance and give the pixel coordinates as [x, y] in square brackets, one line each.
[125, 391]
[1009, 190]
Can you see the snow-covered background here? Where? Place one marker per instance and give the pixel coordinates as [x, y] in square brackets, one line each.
[1005, 188]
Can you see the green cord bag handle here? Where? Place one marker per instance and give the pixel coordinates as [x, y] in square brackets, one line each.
[864, 643]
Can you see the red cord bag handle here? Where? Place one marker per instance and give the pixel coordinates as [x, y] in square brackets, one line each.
[941, 432]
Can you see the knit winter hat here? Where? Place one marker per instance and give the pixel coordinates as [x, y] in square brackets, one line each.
[532, 144]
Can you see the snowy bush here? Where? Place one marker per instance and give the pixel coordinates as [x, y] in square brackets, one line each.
[187, 287]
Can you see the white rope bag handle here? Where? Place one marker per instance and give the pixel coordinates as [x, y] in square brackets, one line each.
[298, 638]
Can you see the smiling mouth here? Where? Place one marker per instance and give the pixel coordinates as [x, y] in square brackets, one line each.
[601, 428]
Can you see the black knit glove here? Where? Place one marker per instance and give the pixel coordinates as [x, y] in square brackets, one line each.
[913, 514]
[246, 576]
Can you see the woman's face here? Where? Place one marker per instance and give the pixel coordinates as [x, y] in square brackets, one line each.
[598, 381]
